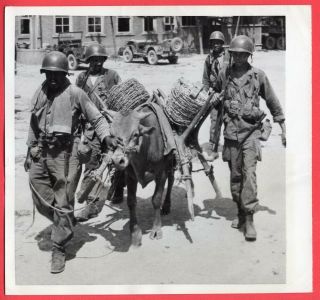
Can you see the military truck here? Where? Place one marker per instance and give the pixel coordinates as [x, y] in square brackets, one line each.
[152, 51]
[273, 33]
[70, 43]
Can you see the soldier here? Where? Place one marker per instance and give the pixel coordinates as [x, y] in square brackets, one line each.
[242, 85]
[214, 62]
[96, 82]
[52, 160]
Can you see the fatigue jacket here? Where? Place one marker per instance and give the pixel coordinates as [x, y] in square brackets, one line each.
[60, 113]
[212, 68]
[105, 81]
[246, 91]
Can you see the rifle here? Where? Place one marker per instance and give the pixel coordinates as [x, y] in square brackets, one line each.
[106, 111]
[218, 126]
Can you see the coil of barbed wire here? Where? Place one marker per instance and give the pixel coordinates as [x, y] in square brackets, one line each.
[127, 95]
[182, 106]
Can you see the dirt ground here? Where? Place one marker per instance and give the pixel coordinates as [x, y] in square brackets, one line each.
[204, 251]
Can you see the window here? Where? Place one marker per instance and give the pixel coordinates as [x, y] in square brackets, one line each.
[148, 24]
[62, 24]
[25, 25]
[123, 24]
[94, 24]
[189, 21]
[168, 23]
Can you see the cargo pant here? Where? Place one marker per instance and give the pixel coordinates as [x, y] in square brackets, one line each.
[242, 162]
[54, 178]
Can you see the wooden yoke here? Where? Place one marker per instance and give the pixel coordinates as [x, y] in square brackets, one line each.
[189, 138]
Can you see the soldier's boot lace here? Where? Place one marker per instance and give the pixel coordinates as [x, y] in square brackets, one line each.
[58, 260]
[250, 233]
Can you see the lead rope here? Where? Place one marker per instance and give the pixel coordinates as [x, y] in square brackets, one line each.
[64, 211]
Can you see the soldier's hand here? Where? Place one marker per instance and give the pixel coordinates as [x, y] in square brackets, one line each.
[27, 164]
[284, 139]
[111, 142]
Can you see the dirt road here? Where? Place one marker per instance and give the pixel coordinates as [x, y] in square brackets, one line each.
[206, 251]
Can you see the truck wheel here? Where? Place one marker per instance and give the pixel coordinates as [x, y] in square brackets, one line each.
[270, 42]
[72, 62]
[173, 59]
[281, 43]
[176, 44]
[127, 55]
[152, 57]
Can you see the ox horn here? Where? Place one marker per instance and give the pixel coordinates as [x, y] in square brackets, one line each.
[145, 129]
[143, 115]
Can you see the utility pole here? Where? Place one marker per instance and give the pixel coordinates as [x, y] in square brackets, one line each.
[113, 37]
[200, 34]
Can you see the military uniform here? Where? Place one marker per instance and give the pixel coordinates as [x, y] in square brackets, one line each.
[55, 170]
[241, 112]
[103, 83]
[212, 68]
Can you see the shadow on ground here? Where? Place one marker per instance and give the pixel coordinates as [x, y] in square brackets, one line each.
[119, 239]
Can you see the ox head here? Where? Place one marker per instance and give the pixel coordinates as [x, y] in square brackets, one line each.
[127, 128]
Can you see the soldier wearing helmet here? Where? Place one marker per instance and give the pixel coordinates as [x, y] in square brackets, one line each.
[96, 82]
[241, 86]
[214, 62]
[53, 138]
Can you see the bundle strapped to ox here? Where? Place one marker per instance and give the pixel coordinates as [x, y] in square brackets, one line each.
[185, 108]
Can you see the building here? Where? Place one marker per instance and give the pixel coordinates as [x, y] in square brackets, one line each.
[41, 32]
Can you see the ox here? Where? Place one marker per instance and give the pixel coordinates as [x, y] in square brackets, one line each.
[142, 156]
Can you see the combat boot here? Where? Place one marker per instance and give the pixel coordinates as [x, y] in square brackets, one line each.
[250, 233]
[238, 222]
[58, 260]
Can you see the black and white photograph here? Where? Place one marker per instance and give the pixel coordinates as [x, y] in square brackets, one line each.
[158, 150]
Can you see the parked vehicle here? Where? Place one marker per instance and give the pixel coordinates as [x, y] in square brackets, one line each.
[151, 51]
[70, 43]
[273, 33]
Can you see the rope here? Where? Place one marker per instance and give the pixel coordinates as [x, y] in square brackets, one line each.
[65, 211]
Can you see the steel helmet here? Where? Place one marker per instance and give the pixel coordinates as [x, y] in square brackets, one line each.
[241, 43]
[95, 50]
[54, 61]
[217, 35]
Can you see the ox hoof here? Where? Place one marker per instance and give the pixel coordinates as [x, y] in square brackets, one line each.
[156, 234]
[165, 210]
[136, 237]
